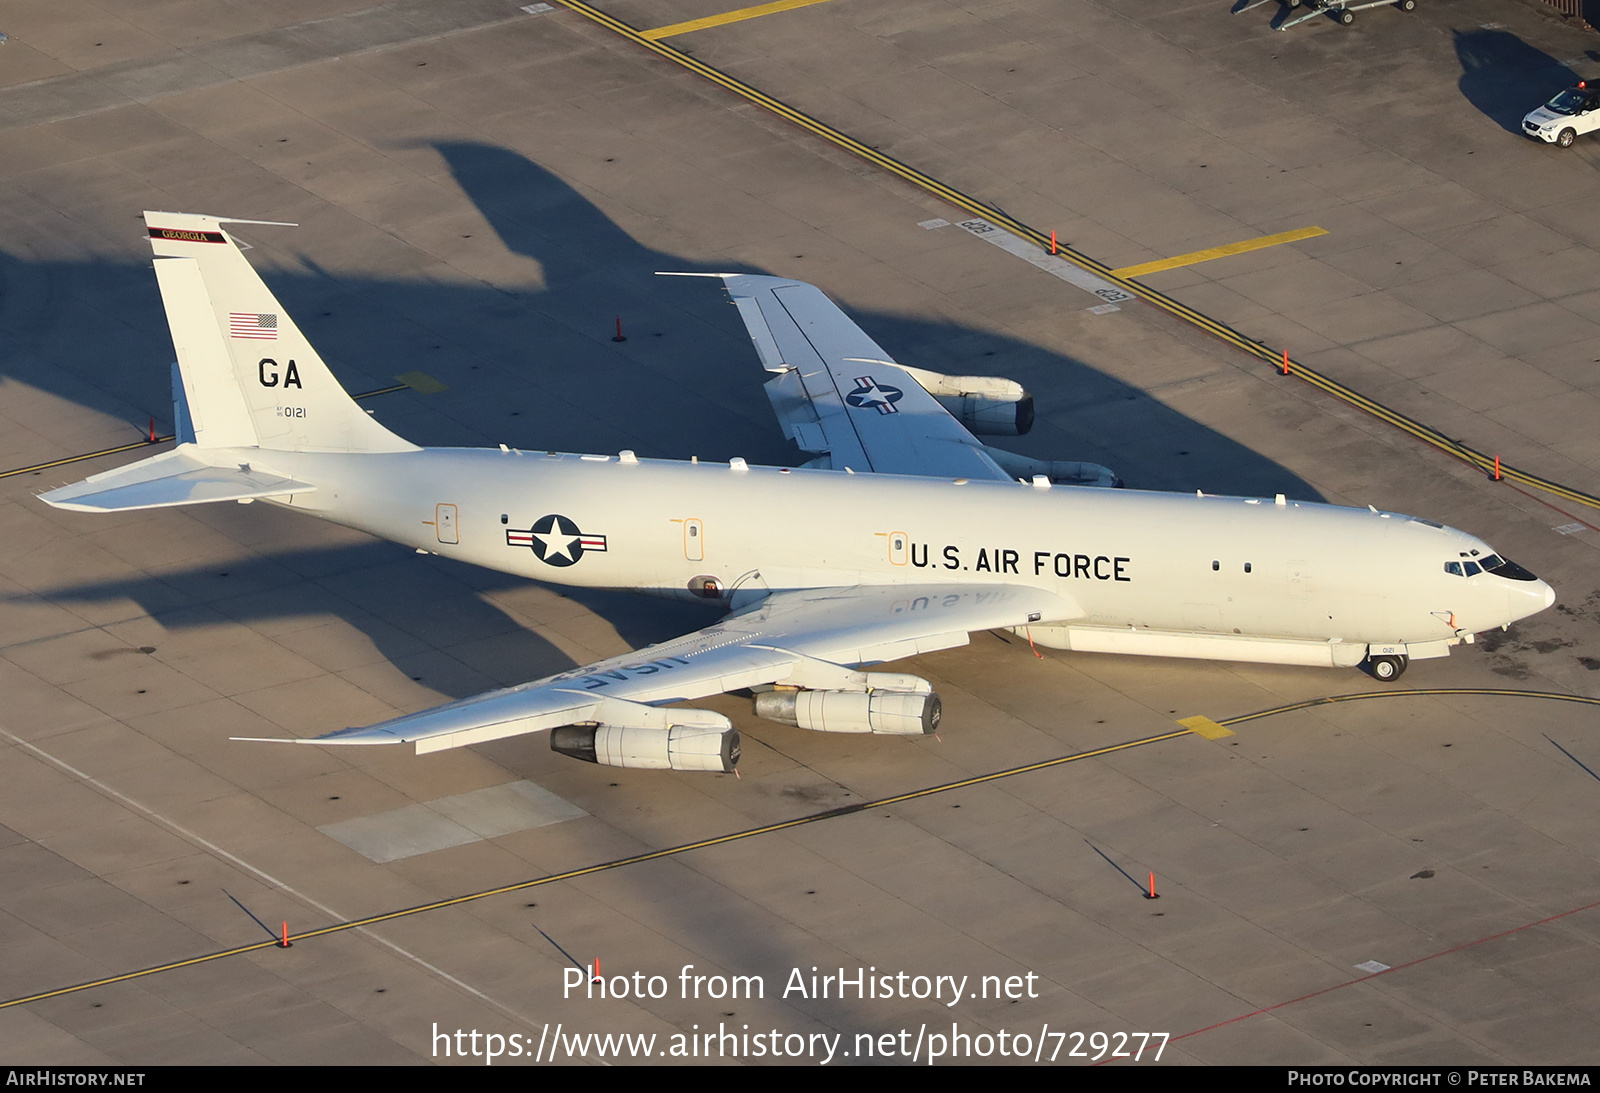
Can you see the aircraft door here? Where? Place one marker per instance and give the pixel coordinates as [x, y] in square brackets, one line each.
[444, 524]
[694, 540]
[1295, 611]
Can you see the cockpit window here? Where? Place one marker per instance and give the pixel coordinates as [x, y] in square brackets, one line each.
[1472, 569]
[1453, 567]
[1511, 571]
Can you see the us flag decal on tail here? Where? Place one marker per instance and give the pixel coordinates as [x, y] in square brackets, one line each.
[253, 325]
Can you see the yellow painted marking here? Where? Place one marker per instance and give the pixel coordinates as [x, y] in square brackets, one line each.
[1426, 433]
[726, 17]
[422, 383]
[587, 870]
[1219, 252]
[1204, 726]
[783, 825]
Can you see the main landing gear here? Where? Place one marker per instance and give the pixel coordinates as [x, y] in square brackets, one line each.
[1387, 669]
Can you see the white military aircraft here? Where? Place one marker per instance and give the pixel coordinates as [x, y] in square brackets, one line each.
[904, 535]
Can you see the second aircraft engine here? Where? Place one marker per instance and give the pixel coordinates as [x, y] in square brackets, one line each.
[681, 747]
[899, 713]
[986, 405]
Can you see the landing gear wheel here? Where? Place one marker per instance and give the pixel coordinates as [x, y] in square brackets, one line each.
[1346, 17]
[1387, 669]
[1566, 138]
[1408, 5]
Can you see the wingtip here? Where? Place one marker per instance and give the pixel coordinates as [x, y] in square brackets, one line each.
[332, 738]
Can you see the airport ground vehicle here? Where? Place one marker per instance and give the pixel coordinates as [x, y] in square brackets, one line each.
[1566, 117]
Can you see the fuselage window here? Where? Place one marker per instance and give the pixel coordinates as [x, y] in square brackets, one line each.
[1215, 566]
[1247, 567]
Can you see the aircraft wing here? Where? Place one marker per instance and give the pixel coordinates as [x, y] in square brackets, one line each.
[805, 638]
[839, 395]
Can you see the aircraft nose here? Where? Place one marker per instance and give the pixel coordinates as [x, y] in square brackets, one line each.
[1530, 600]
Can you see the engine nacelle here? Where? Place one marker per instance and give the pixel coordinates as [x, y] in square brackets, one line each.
[681, 747]
[1064, 472]
[986, 405]
[895, 713]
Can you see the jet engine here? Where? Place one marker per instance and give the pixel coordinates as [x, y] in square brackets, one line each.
[681, 747]
[897, 713]
[987, 406]
[1065, 472]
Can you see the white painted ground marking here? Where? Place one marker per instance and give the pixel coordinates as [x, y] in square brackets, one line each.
[1571, 529]
[452, 821]
[1056, 267]
[1372, 967]
[213, 848]
[936, 222]
[1103, 309]
[537, 9]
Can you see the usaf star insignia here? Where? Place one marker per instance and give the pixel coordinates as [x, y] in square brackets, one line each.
[556, 540]
[870, 393]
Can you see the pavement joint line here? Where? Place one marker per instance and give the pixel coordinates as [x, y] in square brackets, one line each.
[715, 840]
[212, 848]
[1574, 758]
[1387, 971]
[726, 17]
[1426, 433]
[570, 874]
[216, 63]
[158, 440]
[1227, 250]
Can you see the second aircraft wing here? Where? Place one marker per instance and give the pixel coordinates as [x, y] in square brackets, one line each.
[840, 396]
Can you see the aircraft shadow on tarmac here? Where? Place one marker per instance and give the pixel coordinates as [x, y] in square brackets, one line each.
[534, 367]
[1505, 77]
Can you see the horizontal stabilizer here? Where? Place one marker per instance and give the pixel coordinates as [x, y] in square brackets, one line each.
[173, 478]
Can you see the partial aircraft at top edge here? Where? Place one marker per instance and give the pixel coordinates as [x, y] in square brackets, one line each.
[904, 535]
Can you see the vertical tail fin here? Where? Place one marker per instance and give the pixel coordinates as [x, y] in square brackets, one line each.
[250, 378]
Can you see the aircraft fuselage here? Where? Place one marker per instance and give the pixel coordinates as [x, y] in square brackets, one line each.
[1131, 560]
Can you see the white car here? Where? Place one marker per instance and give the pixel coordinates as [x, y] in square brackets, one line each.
[1561, 120]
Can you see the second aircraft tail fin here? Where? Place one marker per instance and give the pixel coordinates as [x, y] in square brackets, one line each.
[249, 376]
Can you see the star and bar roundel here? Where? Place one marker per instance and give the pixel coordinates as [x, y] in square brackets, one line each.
[556, 540]
[870, 394]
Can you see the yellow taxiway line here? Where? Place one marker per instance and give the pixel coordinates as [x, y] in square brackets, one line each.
[1190, 726]
[1219, 252]
[1426, 433]
[726, 17]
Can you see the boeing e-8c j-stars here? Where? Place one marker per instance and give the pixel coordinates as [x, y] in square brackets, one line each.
[904, 535]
